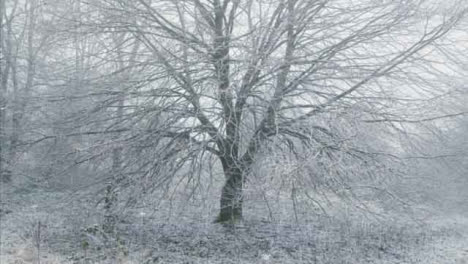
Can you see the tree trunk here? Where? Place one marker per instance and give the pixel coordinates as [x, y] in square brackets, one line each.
[4, 175]
[231, 197]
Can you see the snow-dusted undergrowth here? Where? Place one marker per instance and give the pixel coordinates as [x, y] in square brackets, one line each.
[69, 232]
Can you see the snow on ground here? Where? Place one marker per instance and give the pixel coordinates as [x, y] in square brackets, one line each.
[171, 238]
[453, 248]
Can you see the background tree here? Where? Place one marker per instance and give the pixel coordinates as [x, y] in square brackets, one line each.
[24, 46]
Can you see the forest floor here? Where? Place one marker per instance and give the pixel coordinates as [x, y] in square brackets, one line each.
[51, 228]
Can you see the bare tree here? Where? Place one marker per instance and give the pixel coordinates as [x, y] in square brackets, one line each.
[3, 92]
[226, 79]
[23, 43]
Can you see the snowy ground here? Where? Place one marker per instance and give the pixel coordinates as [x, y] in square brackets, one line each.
[66, 235]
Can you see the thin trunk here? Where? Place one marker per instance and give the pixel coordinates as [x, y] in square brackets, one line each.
[20, 102]
[4, 72]
[117, 156]
[117, 151]
[2, 91]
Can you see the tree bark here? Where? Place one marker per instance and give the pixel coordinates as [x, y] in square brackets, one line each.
[21, 98]
[4, 175]
[231, 195]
